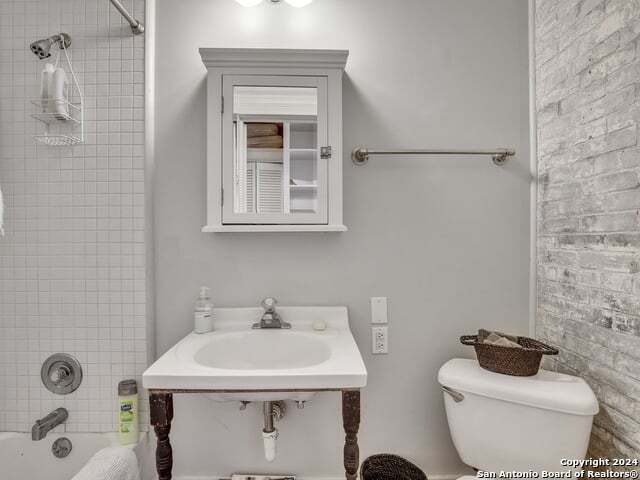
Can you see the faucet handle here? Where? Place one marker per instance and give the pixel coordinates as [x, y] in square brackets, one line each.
[61, 373]
[57, 375]
[269, 304]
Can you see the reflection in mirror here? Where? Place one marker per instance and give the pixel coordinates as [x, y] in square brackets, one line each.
[275, 150]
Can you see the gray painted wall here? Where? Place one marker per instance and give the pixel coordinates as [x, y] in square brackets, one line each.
[446, 239]
[589, 205]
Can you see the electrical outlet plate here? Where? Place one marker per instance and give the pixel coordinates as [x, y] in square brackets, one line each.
[380, 340]
[379, 311]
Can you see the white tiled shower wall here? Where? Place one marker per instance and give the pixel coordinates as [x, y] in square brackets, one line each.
[72, 261]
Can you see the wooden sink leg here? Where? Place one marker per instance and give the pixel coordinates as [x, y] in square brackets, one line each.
[351, 422]
[161, 413]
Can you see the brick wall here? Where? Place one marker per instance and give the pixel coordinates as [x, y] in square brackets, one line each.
[588, 112]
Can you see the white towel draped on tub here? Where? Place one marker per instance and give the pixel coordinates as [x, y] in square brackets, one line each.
[111, 463]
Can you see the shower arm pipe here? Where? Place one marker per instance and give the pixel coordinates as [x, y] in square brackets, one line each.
[136, 26]
[360, 156]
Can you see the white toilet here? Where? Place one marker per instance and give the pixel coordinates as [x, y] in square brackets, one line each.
[504, 423]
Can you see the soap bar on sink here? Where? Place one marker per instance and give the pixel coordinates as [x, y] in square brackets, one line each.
[319, 325]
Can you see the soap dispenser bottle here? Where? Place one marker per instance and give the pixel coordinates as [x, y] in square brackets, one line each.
[203, 312]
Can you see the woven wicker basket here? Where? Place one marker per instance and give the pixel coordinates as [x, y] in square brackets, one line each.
[520, 362]
[390, 467]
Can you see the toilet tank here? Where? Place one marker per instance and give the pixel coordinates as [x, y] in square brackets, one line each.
[504, 423]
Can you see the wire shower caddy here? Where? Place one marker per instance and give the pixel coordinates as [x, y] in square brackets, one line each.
[63, 118]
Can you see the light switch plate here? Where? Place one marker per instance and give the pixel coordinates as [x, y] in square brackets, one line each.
[379, 311]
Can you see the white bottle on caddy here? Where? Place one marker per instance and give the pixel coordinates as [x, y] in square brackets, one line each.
[203, 312]
[58, 94]
[45, 85]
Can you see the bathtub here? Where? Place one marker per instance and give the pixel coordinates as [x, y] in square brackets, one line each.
[23, 459]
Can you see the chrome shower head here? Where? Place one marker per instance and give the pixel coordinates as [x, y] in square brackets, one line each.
[42, 47]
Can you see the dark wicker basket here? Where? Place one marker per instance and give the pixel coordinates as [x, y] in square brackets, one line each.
[390, 467]
[520, 362]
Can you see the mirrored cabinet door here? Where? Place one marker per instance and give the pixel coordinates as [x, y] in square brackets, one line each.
[274, 128]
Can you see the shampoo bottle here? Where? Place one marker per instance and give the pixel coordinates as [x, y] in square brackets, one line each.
[58, 94]
[45, 82]
[203, 312]
[128, 413]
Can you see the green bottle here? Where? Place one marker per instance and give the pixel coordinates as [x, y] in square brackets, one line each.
[128, 412]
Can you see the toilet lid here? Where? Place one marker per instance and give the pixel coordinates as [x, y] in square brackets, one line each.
[548, 390]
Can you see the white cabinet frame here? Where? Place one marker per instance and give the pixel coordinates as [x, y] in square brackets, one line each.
[221, 62]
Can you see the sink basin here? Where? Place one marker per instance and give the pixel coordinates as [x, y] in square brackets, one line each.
[262, 350]
[235, 362]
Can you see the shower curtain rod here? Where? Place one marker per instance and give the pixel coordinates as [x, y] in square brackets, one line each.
[136, 26]
[360, 156]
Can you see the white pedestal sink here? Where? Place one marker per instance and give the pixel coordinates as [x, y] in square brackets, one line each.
[235, 362]
[235, 358]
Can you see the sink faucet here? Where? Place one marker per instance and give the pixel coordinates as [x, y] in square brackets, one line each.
[270, 318]
[48, 423]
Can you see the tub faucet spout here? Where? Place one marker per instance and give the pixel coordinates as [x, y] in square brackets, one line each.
[48, 423]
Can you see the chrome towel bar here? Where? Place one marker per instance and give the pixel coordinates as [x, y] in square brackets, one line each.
[360, 155]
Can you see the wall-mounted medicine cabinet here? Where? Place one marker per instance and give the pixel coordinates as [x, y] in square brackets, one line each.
[274, 140]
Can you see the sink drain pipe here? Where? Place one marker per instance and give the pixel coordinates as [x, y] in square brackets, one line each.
[272, 411]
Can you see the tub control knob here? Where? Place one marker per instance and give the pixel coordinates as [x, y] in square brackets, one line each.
[61, 374]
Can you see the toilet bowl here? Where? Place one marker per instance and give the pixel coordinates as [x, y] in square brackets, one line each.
[505, 423]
